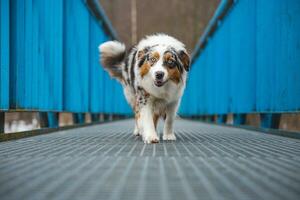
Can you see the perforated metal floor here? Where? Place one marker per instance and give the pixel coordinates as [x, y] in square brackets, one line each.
[108, 162]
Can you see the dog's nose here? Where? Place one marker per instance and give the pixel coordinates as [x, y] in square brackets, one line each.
[159, 75]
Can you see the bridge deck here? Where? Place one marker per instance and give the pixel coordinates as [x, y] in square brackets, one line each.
[107, 162]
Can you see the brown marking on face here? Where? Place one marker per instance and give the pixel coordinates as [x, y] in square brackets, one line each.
[153, 58]
[185, 59]
[144, 69]
[173, 71]
[174, 75]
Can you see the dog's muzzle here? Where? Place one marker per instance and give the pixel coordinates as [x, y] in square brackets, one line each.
[159, 79]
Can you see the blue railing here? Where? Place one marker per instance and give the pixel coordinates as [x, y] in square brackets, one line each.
[247, 61]
[4, 54]
[49, 58]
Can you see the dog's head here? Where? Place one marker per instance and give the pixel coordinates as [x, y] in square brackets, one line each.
[162, 59]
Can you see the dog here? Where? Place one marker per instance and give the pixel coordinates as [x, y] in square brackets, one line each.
[153, 74]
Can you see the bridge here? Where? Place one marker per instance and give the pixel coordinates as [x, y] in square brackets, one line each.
[247, 61]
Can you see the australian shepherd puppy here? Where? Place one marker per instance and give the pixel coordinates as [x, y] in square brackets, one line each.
[153, 75]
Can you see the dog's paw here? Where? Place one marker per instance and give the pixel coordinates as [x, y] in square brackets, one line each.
[151, 138]
[169, 137]
[136, 132]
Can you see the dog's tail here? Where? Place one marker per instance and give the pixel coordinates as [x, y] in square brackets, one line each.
[112, 56]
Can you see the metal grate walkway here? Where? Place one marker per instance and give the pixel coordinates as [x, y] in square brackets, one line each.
[108, 162]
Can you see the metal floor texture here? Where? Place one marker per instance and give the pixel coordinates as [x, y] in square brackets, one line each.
[107, 162]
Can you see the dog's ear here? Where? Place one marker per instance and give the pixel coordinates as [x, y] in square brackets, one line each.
[185, 59]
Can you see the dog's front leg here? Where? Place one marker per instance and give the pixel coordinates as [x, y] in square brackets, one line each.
[146, 124]
[170, 117]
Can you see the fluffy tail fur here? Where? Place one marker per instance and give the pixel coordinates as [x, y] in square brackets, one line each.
[112, 55]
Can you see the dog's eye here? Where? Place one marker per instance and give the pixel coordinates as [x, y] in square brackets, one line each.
[153, 59]
[171, 63]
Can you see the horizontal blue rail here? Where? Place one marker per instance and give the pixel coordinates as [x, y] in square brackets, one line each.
[49, 58]
[247, 61]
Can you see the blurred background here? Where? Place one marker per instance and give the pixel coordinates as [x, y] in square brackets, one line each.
[185, 20]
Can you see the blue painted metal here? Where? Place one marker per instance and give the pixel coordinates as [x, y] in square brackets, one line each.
[221, 119]
[79, 118]
[270, 120]
[2, 122]
[210, 118]
[49, 58]
[53, 119]
[95, 117]
[278, 31]
[4, 54]
[76, 56]
[97, 74]
[43, 119]
[36, 55]
[247, 62]
[239, 119]
[49, 119]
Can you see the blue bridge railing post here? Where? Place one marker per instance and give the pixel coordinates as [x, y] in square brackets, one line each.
[78, 118]
[268, 120]
[106, 117]
[2, 122]
[221, 119]
[95, 117]
[239, 119]
[49, 119]
[43, 118]
[210, 118]
[53, 119]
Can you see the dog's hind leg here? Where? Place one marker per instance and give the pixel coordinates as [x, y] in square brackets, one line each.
[137, 115]
[136, 131]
